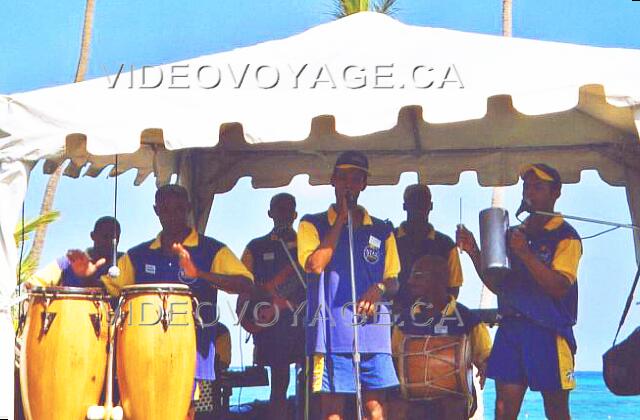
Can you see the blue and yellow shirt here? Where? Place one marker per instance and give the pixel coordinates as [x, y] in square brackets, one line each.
[60, 273]
[433, 243]
[329, 308]
[559, 247]
[146, 263]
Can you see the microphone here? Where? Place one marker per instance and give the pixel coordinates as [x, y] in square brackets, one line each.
[524, 206]
[351, 200]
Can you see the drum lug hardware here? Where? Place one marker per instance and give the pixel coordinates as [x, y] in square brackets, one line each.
[96, 321]
[47, 320]
[164, 317]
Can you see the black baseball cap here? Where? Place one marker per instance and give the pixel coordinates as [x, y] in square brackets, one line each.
[352, 159]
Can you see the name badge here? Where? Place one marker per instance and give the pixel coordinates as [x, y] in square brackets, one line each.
[150, 269]
[268, 256]
[374, 242]
[441, 329]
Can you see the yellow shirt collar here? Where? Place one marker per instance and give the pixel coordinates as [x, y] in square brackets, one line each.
[552, 224]
[431, 232]
[191, 240]
[332, 215]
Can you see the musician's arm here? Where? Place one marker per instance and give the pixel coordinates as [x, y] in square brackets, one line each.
[467, 242]
[228, 273]
[557, 279]
[391, 268]
[314, 255]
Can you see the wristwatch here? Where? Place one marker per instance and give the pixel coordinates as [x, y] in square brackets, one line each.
[382, 287]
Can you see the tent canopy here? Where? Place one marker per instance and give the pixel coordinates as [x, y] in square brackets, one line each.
[427, 100]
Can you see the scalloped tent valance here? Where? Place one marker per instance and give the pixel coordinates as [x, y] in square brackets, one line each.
[422, 99]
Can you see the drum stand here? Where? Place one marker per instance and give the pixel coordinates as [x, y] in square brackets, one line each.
[108, 411]
[356, 347]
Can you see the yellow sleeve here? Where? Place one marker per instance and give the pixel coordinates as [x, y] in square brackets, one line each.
[567, 257]
[49, 275]
[391, 259]
[308, 241]
[223, 348]
[455, 270]
[247, 259]
[226, 263]
[480, 344]
[127, 276]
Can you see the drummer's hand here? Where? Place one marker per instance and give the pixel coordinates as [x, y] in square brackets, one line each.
[82, 265]
[367, 304]
[482, 374]
[518, 243]
[186, 263]
[466, 241]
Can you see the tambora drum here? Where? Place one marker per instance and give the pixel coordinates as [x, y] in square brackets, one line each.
[64, 354]
[156, 351]
[431, 367]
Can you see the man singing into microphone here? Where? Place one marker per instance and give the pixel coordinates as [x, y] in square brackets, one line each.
[535, 346]
[324, 252]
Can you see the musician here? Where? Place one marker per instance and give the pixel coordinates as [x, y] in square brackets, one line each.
[534, 345]
[435, 312]
[417, 237]
[281, 344]
[179, 254]
[323, 251]
[73, 269]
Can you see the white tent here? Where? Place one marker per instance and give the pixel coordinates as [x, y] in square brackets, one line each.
[433, 101]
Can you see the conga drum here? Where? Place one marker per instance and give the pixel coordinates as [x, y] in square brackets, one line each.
[64, 354]
[156, 351]
[431, 367]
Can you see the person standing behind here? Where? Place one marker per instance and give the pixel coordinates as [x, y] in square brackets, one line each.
[416, 238]
[534, 346]
[179, 254]
[83, 268]
[323, 251]
[281, 344]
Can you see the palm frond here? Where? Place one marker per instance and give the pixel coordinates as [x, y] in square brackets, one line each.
[387, 7]
[33, 224]
[27, 269]
[342, 8]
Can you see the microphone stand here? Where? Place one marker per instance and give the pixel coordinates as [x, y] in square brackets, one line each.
[585, 219]
[356, 346]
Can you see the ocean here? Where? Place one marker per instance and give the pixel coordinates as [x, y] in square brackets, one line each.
[591, 400]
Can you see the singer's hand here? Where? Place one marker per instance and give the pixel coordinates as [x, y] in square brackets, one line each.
[81, 264]
[367, 304]
[518, 242]
[466, 241]
[343, 209]
[186, 263]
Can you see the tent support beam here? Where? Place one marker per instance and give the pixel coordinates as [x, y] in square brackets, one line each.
[633, 198]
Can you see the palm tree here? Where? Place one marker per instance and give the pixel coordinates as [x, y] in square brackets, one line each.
[21, 235]
[344, 8]
[54, 179]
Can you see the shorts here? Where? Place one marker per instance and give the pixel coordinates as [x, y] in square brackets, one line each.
[335, 373]
[528, 354]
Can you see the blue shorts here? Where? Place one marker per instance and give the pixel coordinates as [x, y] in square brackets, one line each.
[528, 354]
[334, 372]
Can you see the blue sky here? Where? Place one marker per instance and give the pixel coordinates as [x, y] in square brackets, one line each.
[39, 48]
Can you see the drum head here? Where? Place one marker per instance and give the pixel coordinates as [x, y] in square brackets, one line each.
[61, 291]
[180, 289]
